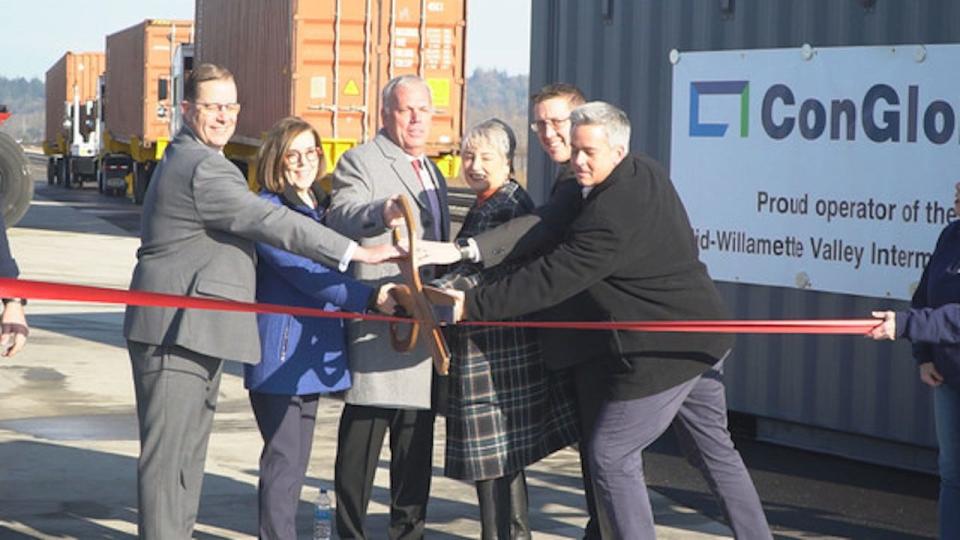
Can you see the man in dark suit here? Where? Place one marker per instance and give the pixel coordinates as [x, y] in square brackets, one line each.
[628, 254]
[198, 230]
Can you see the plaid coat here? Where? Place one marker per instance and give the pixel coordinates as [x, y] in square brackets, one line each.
[505, 410]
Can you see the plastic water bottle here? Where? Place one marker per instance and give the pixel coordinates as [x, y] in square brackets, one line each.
[322, 517]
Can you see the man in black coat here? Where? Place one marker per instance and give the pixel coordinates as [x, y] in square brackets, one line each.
[628, 254]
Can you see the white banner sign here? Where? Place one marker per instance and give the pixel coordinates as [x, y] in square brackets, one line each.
[828, 169]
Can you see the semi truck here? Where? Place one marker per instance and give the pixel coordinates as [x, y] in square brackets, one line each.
[327, 61]
[72, 127]
[137, 101]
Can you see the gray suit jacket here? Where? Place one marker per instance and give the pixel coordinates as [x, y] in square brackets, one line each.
[364, 178]
[199, 225]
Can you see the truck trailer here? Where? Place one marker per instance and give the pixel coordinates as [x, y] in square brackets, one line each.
[138, 100]
[327, 61]
[72, 133]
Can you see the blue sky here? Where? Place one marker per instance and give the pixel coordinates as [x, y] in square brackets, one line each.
[35, 33]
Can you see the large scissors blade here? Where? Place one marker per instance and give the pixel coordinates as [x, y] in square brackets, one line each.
[425, 322]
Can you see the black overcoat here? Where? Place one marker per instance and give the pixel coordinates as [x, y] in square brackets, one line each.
[627, 254]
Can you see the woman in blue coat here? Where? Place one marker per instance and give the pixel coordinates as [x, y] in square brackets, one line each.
[301, 357]
[932, 324]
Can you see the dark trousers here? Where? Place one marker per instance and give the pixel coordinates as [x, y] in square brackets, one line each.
[176, 392]
[591, 389]
[286, 424]
[697, 411]
[360, 437]
[503, 507]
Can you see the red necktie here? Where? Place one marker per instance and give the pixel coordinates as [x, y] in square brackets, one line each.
[433, 198]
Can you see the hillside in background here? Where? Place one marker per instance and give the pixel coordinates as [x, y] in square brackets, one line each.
[24, 98]
[495, 94]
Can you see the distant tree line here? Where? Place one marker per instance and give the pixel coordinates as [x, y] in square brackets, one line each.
[25, 99]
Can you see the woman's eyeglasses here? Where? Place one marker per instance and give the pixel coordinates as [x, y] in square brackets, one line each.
[294, 157]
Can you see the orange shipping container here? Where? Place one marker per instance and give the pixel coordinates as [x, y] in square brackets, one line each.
[73, 74]
[137, 92]
[327, 60]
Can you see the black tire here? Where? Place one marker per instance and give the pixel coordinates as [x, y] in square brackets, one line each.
[16, 187]
[65, 173]
[141, 180]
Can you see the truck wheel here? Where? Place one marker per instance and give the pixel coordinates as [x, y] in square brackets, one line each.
[65, 175]
[16, 187]
[141, 179]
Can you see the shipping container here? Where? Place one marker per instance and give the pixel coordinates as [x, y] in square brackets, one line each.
[327, 61]
[71, 138]
[137, 93]
[843, 395]
[73, 75]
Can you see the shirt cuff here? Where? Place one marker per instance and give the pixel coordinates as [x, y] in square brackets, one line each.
[474, 251]
[347, 257]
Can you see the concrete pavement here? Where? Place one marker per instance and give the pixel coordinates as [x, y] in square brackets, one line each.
[68, 441]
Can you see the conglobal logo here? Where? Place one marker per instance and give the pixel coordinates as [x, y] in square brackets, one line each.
[703, 129]
[880, 115]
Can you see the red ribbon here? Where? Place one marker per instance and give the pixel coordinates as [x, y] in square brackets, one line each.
[42, 290]
[821, 326]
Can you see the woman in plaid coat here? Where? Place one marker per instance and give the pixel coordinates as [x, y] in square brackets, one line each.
[505, 410]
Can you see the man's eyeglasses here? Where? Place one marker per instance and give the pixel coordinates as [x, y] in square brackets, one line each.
[294, 157]
[217, 107]
[555, 123]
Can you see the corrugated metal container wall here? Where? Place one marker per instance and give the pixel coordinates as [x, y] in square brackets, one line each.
[230, 33]
[138, 59]
[317, 64]
[617, 51]
[80, 71]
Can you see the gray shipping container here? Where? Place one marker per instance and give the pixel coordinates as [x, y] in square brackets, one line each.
[838, 394]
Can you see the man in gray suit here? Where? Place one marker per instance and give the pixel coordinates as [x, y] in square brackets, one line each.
[198, 230]
[390, 390]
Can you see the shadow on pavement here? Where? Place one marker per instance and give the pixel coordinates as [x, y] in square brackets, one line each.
[60, 491]
[818, 494]
[97, 326]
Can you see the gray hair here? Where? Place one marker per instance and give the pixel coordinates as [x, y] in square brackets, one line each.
[497, 134]
[388, 96]
[615, 123]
